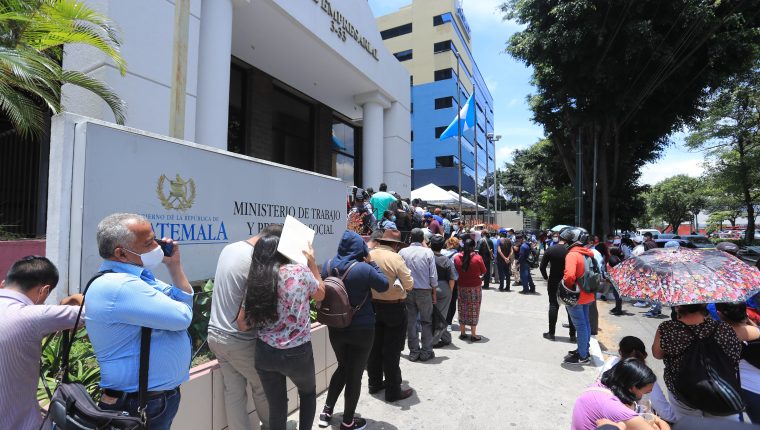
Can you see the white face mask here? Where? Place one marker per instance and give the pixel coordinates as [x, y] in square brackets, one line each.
[152, 259]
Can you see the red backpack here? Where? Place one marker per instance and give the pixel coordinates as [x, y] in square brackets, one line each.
[335, 309]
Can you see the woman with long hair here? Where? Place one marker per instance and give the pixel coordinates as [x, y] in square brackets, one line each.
[277, 303]
[735, 314]
[614, 397]
[470, 268]
[352, 344]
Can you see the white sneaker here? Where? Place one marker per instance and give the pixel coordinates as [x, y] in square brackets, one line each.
[641, 304]
[448, 328]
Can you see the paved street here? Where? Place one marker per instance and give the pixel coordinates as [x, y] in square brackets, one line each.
[512, 379]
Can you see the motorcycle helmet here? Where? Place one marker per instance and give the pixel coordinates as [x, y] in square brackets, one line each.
[573, 235]
[729, 247]
[567, 296]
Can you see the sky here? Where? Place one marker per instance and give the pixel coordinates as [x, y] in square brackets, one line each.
[509, 83]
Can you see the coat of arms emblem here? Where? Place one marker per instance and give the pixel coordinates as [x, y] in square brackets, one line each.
[181, 192]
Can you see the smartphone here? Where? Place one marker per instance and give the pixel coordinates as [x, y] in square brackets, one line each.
[167, 247]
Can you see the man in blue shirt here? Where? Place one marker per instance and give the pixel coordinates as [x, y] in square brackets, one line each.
[119, 304]
[525, 277]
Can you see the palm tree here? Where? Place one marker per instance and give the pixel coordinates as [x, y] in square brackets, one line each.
[32, 36]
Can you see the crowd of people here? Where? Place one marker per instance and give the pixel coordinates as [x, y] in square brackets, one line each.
[696, 345]
[405, 288]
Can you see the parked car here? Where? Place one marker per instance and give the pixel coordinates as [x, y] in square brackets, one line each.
[665, 236]
[699, 241]
[654, 232]
[683, 242]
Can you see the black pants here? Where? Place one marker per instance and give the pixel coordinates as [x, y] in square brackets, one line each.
[504, 274]
[593, 317]
[452, 305]
[390, 334]
[487, 276]
[352, 347]
[553, 306]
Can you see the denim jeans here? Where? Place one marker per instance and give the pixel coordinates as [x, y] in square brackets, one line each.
[296, 363]
[526, 279]
[420, 302]
[161, 409]
[579, 316]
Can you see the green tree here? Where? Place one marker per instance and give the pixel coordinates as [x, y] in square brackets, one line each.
[674, 199]
[622, 76]
[32, 36]
[729, 132]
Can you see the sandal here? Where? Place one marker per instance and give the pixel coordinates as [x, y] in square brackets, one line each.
[463, 336]
[475, 338]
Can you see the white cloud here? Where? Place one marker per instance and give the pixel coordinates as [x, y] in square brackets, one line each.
[485, 13]
[655, 172]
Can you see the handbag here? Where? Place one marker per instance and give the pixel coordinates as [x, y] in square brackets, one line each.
[72, 408]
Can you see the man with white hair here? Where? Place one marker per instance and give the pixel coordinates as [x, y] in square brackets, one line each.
[120, 303]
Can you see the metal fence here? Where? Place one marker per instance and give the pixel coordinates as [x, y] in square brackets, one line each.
[23, 185]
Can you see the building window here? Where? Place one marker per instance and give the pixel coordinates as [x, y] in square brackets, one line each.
[411, 82]
[396, 31]
[446, 161]
[412, 135]
[439, 131]
[236, 124]
[443, 74]
[442, 46]
[444, 102]
[403, 55]
[441, 19]
[343, 150]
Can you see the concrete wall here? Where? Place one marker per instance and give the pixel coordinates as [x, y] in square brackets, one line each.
[202, 405]
[13, 250]
[510, 219]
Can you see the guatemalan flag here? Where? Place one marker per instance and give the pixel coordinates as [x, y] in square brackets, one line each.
[467, 118]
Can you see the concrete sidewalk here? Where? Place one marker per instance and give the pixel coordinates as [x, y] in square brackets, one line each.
[513, 378]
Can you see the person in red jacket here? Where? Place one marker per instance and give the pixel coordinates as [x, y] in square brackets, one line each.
[574, 271]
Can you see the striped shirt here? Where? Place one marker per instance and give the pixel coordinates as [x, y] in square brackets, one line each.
[118, 305]
[23, 325]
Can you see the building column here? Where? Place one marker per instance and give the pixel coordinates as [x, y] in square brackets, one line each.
[397, 149]
[214, 57]
[373, 104]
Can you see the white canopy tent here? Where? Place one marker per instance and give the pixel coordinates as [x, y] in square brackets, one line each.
[435, 195]
[466, 203]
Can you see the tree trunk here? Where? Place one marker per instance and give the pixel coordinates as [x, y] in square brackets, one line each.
[749, 235]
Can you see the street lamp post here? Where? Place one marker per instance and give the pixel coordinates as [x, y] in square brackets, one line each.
[493, 139]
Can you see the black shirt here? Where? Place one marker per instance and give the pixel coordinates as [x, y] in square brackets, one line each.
[555, 256]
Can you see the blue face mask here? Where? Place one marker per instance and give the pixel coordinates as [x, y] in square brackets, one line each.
[393, 218]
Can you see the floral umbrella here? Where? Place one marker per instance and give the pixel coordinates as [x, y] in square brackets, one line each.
[679, 276]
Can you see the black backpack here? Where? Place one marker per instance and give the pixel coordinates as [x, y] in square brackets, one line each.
[708, 380]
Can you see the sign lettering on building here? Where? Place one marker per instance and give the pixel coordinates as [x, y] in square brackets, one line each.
[203, 199]
[344, 29]
[460, 14]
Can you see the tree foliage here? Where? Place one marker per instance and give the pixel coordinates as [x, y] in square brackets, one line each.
[675, 199]
[729, 132]
[32, 36]
[623, 75]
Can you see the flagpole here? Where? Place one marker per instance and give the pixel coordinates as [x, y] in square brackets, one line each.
[459, 139]
[475, 143]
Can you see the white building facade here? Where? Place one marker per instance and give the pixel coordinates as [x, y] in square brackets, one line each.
[304, 83]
